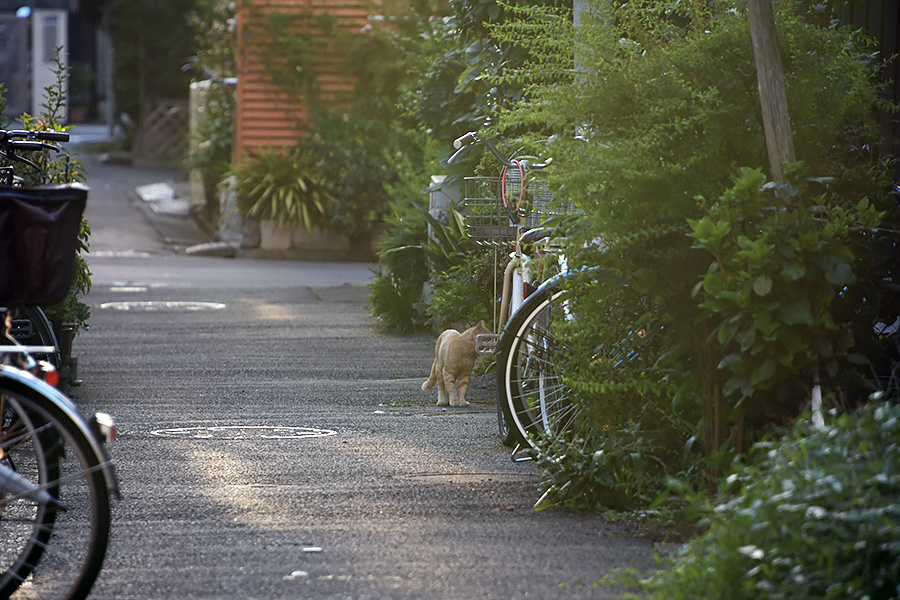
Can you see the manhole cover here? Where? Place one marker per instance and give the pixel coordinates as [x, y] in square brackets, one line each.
[243, 432]
[160, 306]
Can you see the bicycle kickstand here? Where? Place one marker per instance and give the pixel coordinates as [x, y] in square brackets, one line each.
[518, 454]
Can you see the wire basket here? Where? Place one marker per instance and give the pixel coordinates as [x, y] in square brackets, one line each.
[487, 222]
[38, 242]
[490, 223]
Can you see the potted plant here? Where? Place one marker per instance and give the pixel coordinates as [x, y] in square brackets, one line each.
[71, 314]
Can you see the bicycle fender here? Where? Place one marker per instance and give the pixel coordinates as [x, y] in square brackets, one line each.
[18, 378]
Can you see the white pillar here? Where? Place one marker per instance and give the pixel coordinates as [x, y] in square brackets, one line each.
[49, 31]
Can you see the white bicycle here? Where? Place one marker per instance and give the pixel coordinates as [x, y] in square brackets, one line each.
[509, 212]
[55, 475]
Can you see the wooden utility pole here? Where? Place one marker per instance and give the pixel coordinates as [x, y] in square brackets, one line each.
[770, 77]
[776, 121]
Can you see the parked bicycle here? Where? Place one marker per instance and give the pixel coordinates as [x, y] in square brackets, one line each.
[512, 210]
[56, 478]
[29, 324]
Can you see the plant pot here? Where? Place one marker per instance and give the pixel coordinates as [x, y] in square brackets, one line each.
[68, 365]
[273, 236]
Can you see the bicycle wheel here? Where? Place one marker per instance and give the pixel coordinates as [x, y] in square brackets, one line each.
[534, 347]
[530, 386]
[51, 546]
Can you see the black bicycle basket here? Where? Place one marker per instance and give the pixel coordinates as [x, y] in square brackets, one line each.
[38, 241]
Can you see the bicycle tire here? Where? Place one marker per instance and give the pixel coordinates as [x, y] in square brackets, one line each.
[58, 551]
[28, 454]
[507, 434]
[530, 388]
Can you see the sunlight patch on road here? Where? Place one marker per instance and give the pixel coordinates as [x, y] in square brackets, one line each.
[269, 311]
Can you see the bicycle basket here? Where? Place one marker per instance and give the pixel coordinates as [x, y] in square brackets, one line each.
[38, 241]
[488, 221]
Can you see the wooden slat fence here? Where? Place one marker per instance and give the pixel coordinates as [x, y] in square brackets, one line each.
[267, 115]
[163, 131]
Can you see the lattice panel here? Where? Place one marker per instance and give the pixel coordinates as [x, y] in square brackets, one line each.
[164, 130]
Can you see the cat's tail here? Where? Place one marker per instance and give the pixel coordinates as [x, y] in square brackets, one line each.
[432, 379]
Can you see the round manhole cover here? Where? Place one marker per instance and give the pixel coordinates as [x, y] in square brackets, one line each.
[243, 432]
[159, 306]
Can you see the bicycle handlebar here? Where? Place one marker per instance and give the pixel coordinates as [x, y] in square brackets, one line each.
[52, 136]
[28, 145]
[464, 141]
[26, 140]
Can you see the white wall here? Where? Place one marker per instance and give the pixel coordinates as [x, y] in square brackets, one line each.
[49, 30]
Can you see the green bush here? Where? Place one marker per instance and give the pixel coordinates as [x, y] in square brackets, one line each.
[621, 470]
[465, 292]
[402, 269]
[281, 187]
[665, 99]
[393, 301]
[813, 516]
[408, 258]
[781, 259]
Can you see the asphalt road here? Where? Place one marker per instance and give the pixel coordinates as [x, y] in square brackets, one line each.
[273, 444]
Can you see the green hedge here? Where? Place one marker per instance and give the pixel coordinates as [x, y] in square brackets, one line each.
[816, 516]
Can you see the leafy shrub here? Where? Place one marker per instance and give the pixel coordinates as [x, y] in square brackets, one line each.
[212, 151]
[668, 111]
[281, 187]
[358, 153]
[393, 300]
[781, 260]
[620, 470]
[407, 259]
[812, 516]
[402, 269]
[464, 293]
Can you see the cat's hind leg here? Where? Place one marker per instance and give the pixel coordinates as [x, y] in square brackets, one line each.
[448, 382]
[463, 388]
[443, 399]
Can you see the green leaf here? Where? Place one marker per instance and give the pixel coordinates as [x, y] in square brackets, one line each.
[763, 285]
[763, 372]
[792, 271]
[731, 360]
[726, 330]
[840, 274]
[796, 312]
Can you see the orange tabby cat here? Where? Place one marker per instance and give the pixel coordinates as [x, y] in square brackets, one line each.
[454, 357]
